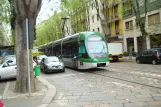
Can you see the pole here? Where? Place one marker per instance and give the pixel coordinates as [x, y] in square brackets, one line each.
[63, 33]
[28, 60]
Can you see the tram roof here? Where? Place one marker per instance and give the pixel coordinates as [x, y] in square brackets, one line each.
[64, 39]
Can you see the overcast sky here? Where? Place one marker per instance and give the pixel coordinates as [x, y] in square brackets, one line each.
[47, 9]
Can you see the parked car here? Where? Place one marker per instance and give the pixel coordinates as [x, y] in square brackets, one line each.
[40, 57]
[8, 68]
[10, 56]
[150, 56]
[51, 64]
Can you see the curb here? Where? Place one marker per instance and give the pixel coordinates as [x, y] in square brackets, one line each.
[49, 94]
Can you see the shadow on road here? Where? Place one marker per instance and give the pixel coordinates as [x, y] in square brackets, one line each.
[7, 80]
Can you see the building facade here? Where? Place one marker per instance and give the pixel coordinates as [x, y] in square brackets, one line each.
[115, 21]
[132, 34]
[94, 20]
[98, 22]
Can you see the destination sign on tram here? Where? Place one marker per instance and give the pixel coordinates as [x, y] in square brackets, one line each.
[94, 38]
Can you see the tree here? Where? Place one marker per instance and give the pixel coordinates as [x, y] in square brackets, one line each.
[101, 7]
[141, 15]
[22, 10]
[5, 15]
[49, 30]
[77, 14]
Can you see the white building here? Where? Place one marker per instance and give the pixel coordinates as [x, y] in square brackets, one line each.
[132, 32]
[94, 19]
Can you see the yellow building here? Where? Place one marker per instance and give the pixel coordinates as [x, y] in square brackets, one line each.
[115, 21]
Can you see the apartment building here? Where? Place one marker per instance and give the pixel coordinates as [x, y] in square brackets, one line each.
[132, 34]
[115, 21]
[94, 19]
[98, 22]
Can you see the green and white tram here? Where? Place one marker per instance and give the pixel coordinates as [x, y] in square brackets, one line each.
[83, 50]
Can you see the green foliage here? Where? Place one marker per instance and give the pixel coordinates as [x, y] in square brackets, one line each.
[126, 54]
[5, 11]
[49, 30]
[77, 13]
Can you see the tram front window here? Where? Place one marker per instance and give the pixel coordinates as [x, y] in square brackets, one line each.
[96, 46]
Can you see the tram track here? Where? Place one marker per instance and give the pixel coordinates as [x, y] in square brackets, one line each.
[117, 78]
[137, 73]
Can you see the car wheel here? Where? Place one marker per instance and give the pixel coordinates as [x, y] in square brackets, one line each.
[138, 61]
[154, 62]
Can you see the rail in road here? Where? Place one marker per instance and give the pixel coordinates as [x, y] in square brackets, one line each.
[148, 81]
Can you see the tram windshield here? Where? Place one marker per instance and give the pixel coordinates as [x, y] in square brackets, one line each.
[96, 44]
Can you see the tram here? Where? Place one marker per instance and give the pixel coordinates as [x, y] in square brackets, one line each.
[83, 50]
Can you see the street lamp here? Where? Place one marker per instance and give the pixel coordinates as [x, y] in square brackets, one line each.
[64, 18]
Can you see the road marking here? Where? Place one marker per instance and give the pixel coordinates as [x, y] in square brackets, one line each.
[5, 90]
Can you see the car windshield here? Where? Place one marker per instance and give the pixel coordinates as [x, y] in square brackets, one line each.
[96, 44]
[52, 59]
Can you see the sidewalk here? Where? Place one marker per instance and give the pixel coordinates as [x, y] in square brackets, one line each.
[41, 98]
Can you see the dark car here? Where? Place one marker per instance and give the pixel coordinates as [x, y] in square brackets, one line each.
[150, 56]
[52, 64]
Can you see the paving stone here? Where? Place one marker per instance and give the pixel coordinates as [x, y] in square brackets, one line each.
[156, 94]
[155, 103]
[143, 96]
[70, 97]
[116, 105]
[125, 97]
[91, 105]
[157, 98]
[115, 101]
[135, 104]
[105, 105]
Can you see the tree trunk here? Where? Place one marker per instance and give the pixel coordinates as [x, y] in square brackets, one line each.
[144, 44]
[21, 55]
[22, 10]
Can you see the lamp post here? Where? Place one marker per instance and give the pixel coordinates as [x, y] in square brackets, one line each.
[64, 18]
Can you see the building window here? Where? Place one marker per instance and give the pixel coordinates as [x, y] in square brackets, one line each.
[116, 11]
[93, 29]
[129, 25]
[154, 19]
[93, 19]
[97, 17]
[98, 29]
[117, 27]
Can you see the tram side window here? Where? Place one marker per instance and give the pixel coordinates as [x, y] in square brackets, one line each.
[82, 50]
[75, 49]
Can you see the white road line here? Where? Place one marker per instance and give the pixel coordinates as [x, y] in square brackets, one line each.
[5, 91]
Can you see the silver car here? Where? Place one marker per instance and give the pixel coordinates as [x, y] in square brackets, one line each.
[8, 68]
[52, 64]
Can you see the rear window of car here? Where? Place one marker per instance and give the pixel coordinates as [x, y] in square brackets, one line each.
[52, 59]
[159, 50]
